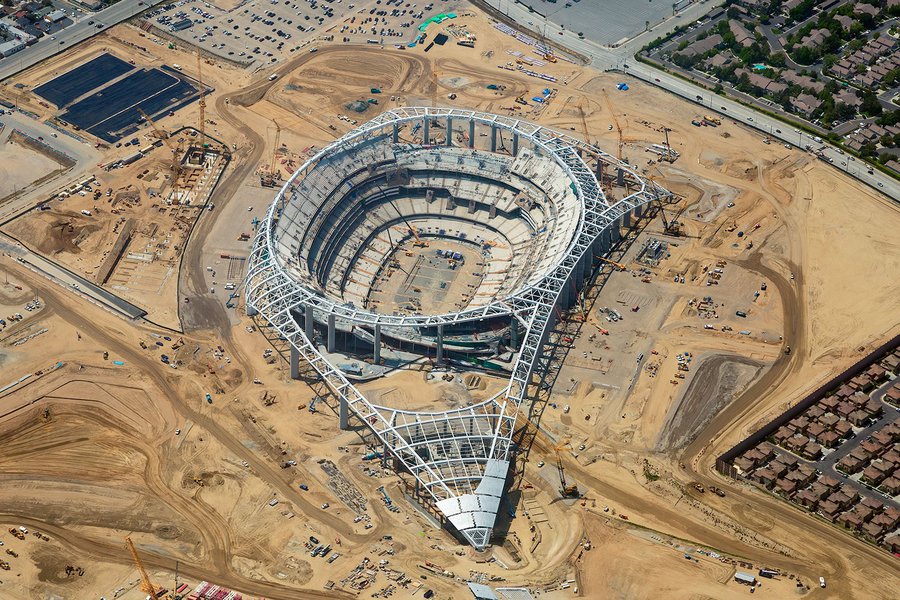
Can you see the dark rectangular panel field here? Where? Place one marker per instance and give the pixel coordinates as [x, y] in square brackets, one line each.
[117, 97]
[125, 122]
[67, 87]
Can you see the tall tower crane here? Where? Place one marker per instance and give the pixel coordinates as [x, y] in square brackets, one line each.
[146, 585]
[202, 102]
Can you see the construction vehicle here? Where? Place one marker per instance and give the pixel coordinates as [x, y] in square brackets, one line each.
[566, 491]
[713, 120]
[146, 585]
[419, 243]
[273, 175]
[619, 266]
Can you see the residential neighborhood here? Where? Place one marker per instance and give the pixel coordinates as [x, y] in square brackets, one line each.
[832, 63]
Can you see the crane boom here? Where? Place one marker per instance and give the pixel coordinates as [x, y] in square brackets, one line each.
[618, 126]
[202, 102]
[273, 169]
[620, 266]
[175, 167]
[162, 135]
[146, 585]
[566, 491]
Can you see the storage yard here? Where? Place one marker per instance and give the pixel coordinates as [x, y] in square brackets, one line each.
[185, 431]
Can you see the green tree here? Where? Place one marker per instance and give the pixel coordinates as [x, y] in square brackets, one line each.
[777, 59]
[870, 105]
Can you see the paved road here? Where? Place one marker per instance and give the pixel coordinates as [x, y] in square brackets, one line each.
[890, 415]
[69, 280]
[622, 58]
[68, 37]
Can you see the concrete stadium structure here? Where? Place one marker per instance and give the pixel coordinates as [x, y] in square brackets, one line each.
[526, 198]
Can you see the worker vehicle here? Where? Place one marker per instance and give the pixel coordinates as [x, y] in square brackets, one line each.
[741, 314]
[821, 582]
[209, 399]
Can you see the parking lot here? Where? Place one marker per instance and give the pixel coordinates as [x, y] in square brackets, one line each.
[263, 32]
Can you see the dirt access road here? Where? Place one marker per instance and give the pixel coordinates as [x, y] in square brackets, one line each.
[213, 528]
[204, 311]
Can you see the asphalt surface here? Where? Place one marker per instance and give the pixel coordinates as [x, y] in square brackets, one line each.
[68, 37]
[622, 58]
[826, 464]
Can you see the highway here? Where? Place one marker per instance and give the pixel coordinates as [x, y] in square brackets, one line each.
[621, 58]
[68, 37]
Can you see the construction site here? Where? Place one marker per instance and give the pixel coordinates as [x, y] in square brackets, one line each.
[328, 265]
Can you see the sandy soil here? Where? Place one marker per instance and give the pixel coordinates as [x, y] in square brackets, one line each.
[136, 476]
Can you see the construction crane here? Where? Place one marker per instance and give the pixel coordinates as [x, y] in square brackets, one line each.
[175, 167]
[146, 586]
[619, 266]
[434, 92]
[671, 226]
[269, 179]
[621, 141]
[566, 491]
[202, 102]
[584, 127]
[420, 243]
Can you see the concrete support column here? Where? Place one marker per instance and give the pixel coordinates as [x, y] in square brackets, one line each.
[493, 138]
[396, 134]
[599, 170]
[449, 141]
[330, 343]
[579, 273]
[308, 323]
[607, 239]
[565, 294]
[514, 334]
[439, 358]
[620, 177]
[638, 210]
[515, 144]
[344, 414]
[472, 133]
[295, 363]
[377, 350]
[426, 126]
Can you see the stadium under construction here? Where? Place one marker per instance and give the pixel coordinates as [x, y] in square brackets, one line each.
[445, 234]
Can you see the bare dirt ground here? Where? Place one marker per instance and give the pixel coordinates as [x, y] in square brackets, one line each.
[106, 461]
[21, 166]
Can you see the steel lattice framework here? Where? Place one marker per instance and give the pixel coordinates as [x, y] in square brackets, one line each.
[459, 458]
